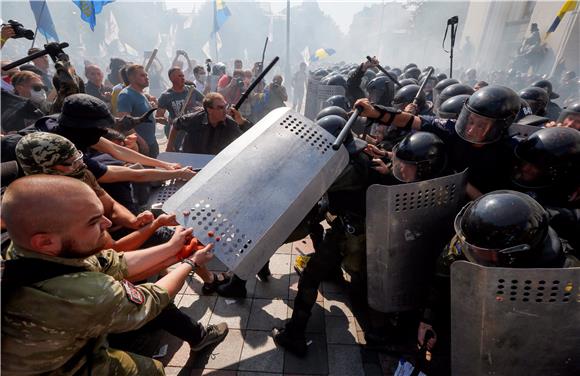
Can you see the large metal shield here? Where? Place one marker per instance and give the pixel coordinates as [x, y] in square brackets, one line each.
[325, 92]
[160, 194]
[311, 104]
[407, 226]
[514, 321]
[255, 192]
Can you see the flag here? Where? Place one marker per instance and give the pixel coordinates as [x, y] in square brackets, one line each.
[206, 50]
[306, 55]
[271, 29]
[222, 13]
[130, 50]
[322, 53]
[43, 19]
[90, 9]
[569, 5]
[111, 29]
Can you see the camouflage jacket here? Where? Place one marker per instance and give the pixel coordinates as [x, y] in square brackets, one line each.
[58, 326]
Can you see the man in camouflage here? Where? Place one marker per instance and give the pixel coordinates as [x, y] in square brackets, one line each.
[62, 295]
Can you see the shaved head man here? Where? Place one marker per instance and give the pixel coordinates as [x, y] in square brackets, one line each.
[28, 211]
[63, 297]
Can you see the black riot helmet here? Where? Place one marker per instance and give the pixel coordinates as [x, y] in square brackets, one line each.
[337, 100]
[320, 73]
[453, 90]
[546, 85]
[504, 229]
[396, 72]
[419, 156]
[333, 124]
[546, 158]
[487, 114]
[406, 94]
[525, 110]
[337, 80]
[441, 85]
[409, 66]
[408, 81]
[537, 98]
[451, 108]
[332, 110]
[381, 90]
[441, 77]
[570, 116]
[413, 72]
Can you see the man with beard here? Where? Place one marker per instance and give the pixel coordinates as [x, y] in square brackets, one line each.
[62, 295]
[48, 153]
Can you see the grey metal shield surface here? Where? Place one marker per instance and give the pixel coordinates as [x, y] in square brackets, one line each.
[169, 187]
[255, 192]
[514, 321]
[407, 226]
[325, 92]
[196, 161]
[311, 104]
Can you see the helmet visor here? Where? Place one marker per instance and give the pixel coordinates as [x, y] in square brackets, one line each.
[492, 257]
[478, 129]
[404, 171]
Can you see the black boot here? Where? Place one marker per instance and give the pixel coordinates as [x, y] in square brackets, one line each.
[235, 288]
[292, 337]
[264, 273]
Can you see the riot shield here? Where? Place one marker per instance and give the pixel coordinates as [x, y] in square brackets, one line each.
[325, 92]
[160, 194]
[311, 104]
[522, 130]
[514, 321]
[407, 226]
[254, 193]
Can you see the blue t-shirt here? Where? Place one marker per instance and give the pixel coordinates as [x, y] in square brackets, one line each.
[136, 104]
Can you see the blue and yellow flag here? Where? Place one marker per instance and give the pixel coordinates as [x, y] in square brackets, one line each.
[90, 9]
[322, 53]
[569, 5]
[222, 13]
[43, 19]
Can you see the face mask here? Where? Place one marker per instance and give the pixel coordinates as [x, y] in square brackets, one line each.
[37, 96]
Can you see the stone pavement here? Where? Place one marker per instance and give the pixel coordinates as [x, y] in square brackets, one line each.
[249, 348]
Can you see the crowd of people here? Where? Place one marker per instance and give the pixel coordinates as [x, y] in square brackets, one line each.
[79, 158]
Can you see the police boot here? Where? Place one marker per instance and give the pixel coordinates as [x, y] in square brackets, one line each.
[235, 288]
[292, 336]
[264, 273]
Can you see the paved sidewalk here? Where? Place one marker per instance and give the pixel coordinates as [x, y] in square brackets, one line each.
[249, 348]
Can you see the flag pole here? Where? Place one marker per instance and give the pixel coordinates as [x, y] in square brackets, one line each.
[215, 30]
[287, 73]
[36, 30]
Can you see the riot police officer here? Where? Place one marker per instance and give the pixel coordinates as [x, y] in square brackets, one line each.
[552, 110]
[499, 229]
[477, 139]
[419, 156]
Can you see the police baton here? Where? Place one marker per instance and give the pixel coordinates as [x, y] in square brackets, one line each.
[346, 129]
[52, 49]
[391, 77]
[416, 99]
[256, 82]
[151, 58]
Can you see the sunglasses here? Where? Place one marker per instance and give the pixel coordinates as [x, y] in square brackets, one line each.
[78, 158]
